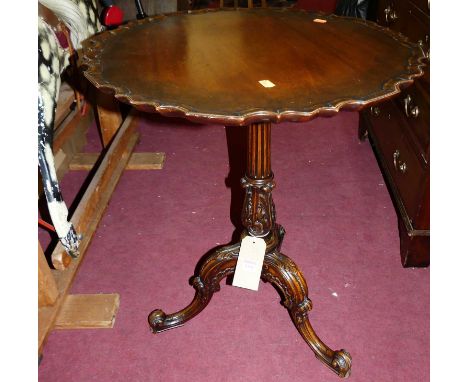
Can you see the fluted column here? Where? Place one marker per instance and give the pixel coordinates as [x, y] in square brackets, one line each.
[258, 214]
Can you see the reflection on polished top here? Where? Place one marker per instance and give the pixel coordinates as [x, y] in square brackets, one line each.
[209, 65]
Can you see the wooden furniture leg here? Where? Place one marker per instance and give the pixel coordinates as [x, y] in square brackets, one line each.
[47, 288]
[109, 117]
[109, 120]
[259, 220]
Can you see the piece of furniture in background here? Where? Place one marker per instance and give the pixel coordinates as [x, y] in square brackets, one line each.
[399, 132]
[363, 9]
[327, 6]
[63, 131]
[56, 308]
[235, 3]
[353, 8]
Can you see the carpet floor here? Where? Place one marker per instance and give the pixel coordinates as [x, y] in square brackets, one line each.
[341, 230]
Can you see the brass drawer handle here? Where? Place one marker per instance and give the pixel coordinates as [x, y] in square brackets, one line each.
[398, 164]
[375, 111]
[411, 110]
[402, 167]
[390, 15]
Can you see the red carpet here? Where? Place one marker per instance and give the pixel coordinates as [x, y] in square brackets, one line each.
[341, 230]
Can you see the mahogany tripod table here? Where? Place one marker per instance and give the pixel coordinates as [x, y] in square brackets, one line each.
[252, 67]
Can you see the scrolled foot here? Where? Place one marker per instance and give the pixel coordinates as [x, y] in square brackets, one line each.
[213, 268]
[156, 320]
[341, 363]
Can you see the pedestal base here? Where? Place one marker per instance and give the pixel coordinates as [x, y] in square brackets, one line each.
[278, 270]
[259, 220]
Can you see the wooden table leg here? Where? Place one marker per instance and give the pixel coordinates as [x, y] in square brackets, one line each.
[47, 287]
[109, 117]
[259, 220]
[109, 120]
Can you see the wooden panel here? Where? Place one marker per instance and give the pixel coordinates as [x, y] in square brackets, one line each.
[138, 161]
[87, 311]
[47, 289]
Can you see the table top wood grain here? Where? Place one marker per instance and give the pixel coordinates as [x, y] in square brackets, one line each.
[207, 65]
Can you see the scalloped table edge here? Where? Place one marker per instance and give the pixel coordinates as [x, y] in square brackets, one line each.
[90, 64]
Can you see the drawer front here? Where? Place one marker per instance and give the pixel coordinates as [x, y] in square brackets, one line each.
[384, 127]
[403, 167]
[414, 105]
[406, 18]
[386, 13]
[423, 5]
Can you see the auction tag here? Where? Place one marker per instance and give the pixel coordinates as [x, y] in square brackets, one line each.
[249, 263]
[267, 83]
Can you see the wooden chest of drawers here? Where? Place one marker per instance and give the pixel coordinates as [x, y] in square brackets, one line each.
[399, 133]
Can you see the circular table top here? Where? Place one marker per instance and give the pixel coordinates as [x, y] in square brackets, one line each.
[241, 66]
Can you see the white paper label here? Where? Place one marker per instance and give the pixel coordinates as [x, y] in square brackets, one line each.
[320, 21]
[249, 263]
[266, 83]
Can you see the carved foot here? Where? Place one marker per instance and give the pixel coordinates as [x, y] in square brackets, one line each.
[341, 363]
[281, 271]
[156, 320]
[213, 269]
